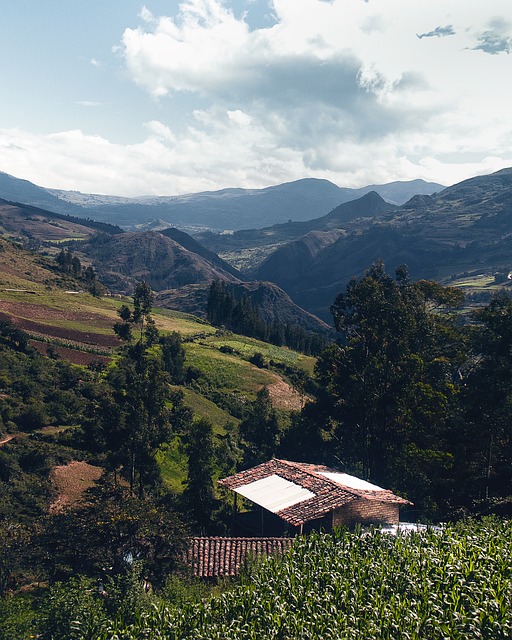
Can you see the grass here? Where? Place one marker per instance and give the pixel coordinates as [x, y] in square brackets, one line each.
[203, 408]
[226, 372]
[248, 346]
[172, 461]
[476, 282]
[168, 321]
[86, 313]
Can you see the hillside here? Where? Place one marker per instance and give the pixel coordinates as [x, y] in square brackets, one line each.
[19, 190]
[122, 260]
[71, 326]
[366, 206]
[35, 225]
[273, 304]
[180, 270]
[304, 240]
[189, 243]
[242, 208]
[466, 228]
[78, 326]
[170, 260]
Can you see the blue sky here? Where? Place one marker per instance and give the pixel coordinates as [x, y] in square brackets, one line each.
[167, 97]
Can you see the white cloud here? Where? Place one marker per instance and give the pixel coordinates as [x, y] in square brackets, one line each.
[146, 15]
[343, 90]
[240, 118]
[95, 62]
[345, 69]
[89, 103]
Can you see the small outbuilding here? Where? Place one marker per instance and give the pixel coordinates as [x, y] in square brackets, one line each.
[225, 557]
[297, 497]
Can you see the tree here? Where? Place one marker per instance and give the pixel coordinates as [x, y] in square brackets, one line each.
[388, 397]
[108, 532]
[199, 493]
[140, 319]
[14, 542]
[139, 388]
[64, 260]
[76, 267]
[11, 336]
[488, 401]
[260, 431]
[173, 356]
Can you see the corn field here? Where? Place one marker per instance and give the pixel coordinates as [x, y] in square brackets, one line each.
[456, 584]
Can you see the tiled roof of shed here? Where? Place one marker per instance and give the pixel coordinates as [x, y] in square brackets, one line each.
[214, 557]
[328, 493]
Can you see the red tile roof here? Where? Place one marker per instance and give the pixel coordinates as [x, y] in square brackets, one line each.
[214, 557]
[329, 494]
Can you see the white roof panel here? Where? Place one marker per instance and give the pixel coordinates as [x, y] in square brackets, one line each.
[274, 493]
[352, 482]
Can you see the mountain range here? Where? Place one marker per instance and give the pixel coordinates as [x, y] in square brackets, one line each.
[464, 228]
[295, 268]
[224, 209]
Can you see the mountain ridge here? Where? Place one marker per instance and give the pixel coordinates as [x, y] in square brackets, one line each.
[465, 227]
[230, 208]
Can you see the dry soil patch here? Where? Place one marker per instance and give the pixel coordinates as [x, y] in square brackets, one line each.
[71, 480]
[284, 396]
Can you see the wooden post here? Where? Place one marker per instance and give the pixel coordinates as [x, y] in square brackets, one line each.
[235, 507]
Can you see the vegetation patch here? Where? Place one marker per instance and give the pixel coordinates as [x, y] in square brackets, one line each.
[248, 346]
[75, 356]
[224, 371]
[455, 584]
[204, 408]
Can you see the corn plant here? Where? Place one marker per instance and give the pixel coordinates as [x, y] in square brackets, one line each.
[455, 584]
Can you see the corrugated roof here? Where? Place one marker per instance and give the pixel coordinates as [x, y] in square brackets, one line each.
[328, 493]
[344, 480]
[274, 493]
[213, 557]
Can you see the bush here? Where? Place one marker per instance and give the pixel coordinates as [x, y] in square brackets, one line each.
[33, 417]
[258, 360]
[74, 610]
[17, 618]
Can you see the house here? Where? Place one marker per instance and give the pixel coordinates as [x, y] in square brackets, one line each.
[297, 497]
[294, 498]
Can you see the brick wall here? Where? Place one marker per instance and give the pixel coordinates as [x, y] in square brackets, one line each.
[365, 512]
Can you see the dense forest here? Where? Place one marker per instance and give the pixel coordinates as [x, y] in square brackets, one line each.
[415, 396]
[239, 314]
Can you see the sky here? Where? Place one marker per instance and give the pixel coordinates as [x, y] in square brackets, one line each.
[164, 97]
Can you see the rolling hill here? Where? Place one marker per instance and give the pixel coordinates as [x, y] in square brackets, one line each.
[170, 261]
[159, 260]
[76, 326]
[39, 225]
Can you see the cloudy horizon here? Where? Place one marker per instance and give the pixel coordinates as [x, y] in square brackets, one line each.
[164, 98]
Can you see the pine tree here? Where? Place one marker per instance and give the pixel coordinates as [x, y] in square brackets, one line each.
[199, 492]
[259, 431]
